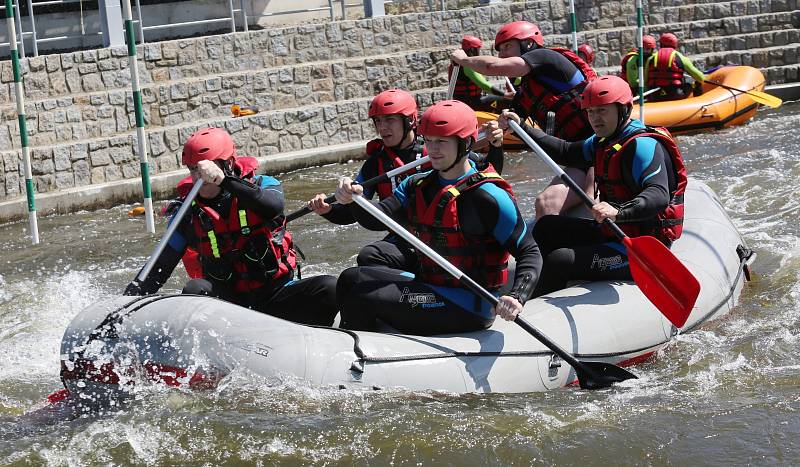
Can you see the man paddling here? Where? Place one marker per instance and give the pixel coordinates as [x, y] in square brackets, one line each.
[640, 178]
[471, 85]
[467, 215]
[553, 79]
[667, 69]
[629, 66]
[394, 114]
[239, 232]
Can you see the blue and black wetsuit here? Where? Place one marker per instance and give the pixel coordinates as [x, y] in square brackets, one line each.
[367, 293]
[579, 249]
[311, 300]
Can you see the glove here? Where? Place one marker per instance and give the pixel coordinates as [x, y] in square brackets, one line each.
[134, 288]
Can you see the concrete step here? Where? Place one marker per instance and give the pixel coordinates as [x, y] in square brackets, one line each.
[719, 10]
[782, 74]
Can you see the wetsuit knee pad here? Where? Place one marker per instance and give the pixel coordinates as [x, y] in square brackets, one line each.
[199, 287]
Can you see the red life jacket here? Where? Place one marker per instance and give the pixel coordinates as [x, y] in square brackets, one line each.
[465, 90]
[668, 224]
[482, 258]
[241, 249]
[623, 65]
[388, 160]
[663, 69]
[537, 98]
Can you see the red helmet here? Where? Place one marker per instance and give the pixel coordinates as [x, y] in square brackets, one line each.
[668, 40]
[449, 118]
[648, 42]
[208, 144]
[588, 51]
[393, 102]
[519, 30]
[471, 42]
[607, 89]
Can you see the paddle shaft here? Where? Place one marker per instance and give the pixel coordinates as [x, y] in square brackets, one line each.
[651, 91]
[367, 184]
[561, 174]
[758, 96]
[451, 87]
[173, 226]
[466, 281]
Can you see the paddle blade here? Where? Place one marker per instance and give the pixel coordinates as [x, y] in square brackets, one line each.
[599, 375]
[663, 279]
[765, 99]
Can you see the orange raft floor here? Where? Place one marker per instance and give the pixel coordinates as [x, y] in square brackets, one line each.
[715, 108]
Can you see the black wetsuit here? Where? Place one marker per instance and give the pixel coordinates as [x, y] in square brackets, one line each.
[579, 249]
[311, 300]
[395, 297]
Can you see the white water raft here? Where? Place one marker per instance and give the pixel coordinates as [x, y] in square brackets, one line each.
[195, 341]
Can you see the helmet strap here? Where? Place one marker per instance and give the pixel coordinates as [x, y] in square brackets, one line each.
[464, 147]
[623, 114]
[408, 126]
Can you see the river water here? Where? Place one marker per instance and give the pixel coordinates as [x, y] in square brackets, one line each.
[726, 393]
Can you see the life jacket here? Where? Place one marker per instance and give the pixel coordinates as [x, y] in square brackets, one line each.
[623, 65]
[388, 160]
[668, 224]
[465, 90]
[241, 250]
[436, 223]
[537, 98]
[663, 69]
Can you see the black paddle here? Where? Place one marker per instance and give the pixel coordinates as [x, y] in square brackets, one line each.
[591, 375]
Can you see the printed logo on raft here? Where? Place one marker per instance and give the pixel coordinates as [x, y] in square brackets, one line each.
[427, 300]
[613, 262]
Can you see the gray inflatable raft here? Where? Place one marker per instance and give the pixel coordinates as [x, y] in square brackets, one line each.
[194, 341]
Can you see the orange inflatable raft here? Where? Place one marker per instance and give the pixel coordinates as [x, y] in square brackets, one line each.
[715, 108]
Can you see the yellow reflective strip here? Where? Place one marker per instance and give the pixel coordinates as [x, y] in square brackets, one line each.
[453, 191]
[212, 238]
[491, 175]
[617, 146]
[671, 59]
[242, 218]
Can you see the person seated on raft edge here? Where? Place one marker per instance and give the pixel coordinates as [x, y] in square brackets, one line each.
[667, 69]
[552, 80]
[629, 66]
[641, 180]
[467, 215]
[236, 226]
[470, 85]
[394, 114]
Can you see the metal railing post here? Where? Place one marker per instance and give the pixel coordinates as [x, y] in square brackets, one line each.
[139, 23]
[19, 95]
[330, 5]
[243, 7]
[33, 29]
[233, 16]
[141, 137]
[344, 10]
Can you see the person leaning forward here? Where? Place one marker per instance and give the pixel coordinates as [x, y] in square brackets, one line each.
[553, 79]
[467, 215]
[640, 178]
[238, 233]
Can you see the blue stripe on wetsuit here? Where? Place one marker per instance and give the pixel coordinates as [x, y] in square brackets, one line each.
[617, 246]
[507, 213]
[464, 298]
[561, 86]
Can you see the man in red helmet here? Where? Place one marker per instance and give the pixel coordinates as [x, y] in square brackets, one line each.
[640, 179]
[586, 53]
[467, 215]
[394, 114]
[471, 85]
[238, 230]
[630, 64]
[667, 69]
[552, 80]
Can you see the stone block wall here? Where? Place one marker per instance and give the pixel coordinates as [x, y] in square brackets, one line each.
[313, 83]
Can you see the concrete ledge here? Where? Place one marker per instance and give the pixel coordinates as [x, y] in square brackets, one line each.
[105, 195]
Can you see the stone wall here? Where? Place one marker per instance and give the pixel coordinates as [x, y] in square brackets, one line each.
[313, 83]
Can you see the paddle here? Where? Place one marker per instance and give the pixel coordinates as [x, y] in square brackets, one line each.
[451, 87]
[369, 183]
[663, 279]
[591, 375]
[651, 91]
[758, 96]
[173, 226]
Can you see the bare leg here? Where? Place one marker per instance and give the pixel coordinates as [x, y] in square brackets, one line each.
[557, 197]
